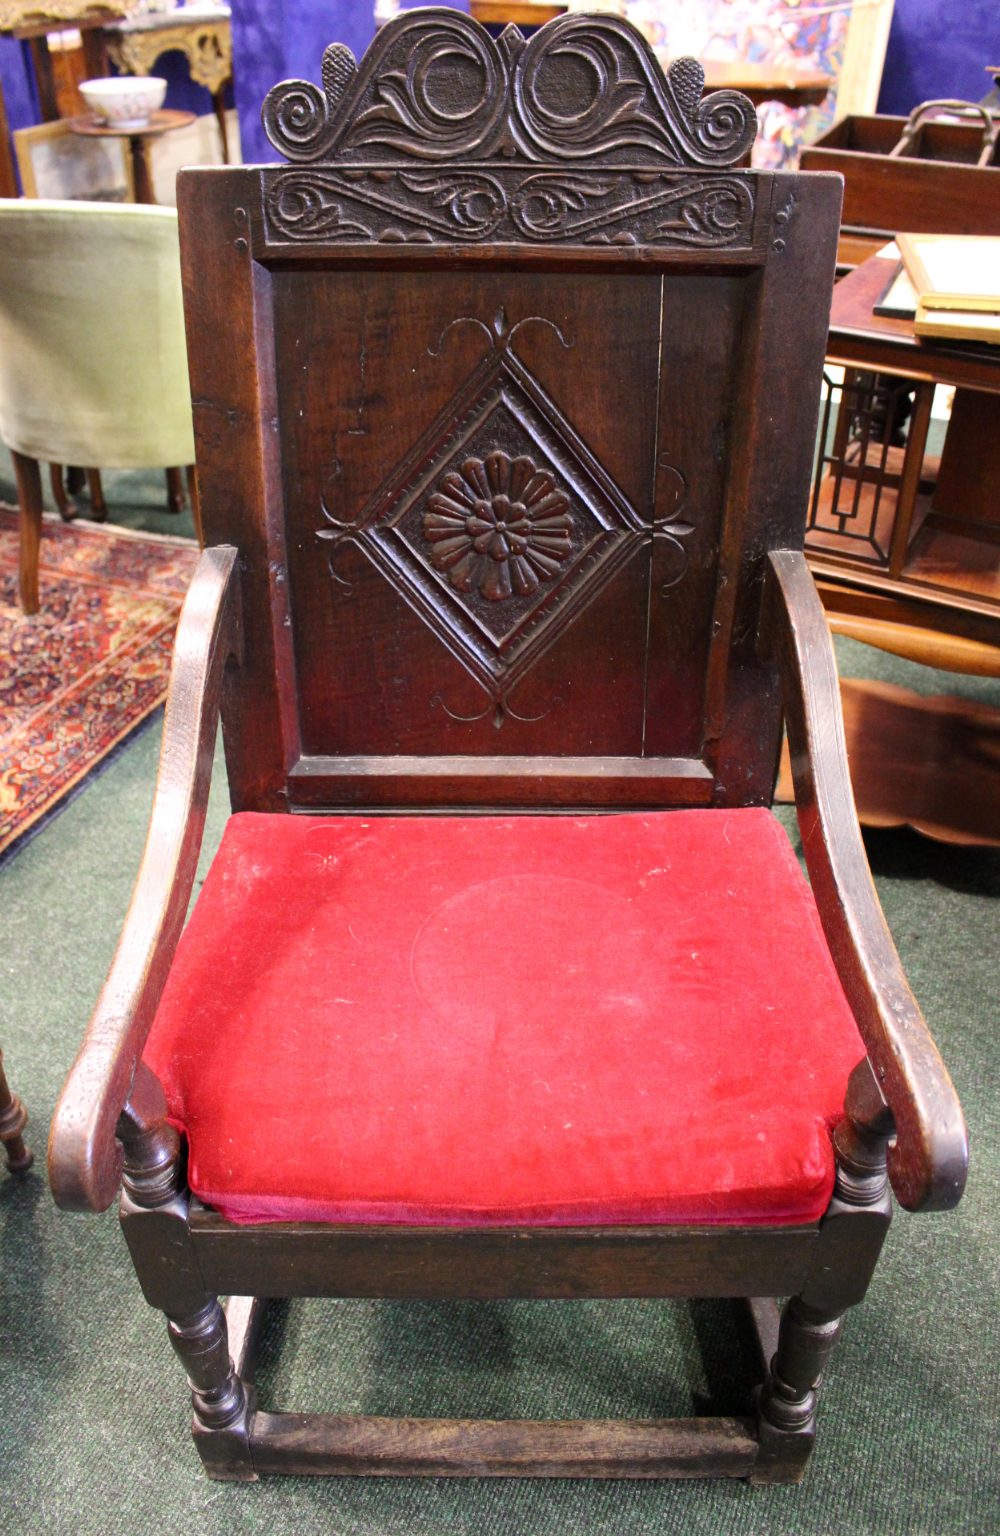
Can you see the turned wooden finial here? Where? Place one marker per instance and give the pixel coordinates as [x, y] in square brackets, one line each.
[151, 1173]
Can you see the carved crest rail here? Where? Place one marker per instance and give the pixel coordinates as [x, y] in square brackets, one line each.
[447, 136]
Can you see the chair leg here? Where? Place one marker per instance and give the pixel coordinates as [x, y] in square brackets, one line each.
[218, 1396]
[13, 1119]
[786, 1404]
[194, 496]
[62, 490]
[175, 490]
[851, 1238]
[29, 506]
[154, 1218]
[98, 506]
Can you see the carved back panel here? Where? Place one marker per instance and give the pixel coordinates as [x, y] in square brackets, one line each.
[504, 387]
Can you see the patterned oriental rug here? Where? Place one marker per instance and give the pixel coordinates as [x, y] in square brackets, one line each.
[79, 676]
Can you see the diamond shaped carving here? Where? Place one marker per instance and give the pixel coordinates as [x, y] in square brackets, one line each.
[500, 453]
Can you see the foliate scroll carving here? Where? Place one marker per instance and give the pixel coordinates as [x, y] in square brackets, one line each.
[459, 206]
[434, 86]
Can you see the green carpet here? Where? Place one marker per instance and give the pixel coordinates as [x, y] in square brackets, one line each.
[93, 1408]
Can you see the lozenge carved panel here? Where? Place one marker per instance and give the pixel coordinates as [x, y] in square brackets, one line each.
[498, 525]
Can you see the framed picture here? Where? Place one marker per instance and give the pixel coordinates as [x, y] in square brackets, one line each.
[54, 162]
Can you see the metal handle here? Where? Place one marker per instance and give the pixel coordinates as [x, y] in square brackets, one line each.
[929, 109]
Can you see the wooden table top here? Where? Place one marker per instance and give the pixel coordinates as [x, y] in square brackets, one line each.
[162, 121]
[857, 335]
[768, 82]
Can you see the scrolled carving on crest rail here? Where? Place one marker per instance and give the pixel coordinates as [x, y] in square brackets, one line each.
[454, 205]
[434, 86]
[632, 104]
[457, 205]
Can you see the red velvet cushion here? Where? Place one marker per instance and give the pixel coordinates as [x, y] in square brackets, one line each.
[547, 1019]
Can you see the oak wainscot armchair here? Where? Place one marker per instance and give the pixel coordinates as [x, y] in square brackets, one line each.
[504, 981]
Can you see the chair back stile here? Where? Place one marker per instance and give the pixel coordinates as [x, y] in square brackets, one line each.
[534, 386]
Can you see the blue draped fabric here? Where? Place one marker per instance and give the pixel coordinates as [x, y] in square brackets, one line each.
[939, 51]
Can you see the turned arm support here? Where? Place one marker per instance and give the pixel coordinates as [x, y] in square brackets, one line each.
[85, 1157]
[928, 1159]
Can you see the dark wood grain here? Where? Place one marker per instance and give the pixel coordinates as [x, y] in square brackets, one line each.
[298, 1259]
[84, 1156]
[363, 1446]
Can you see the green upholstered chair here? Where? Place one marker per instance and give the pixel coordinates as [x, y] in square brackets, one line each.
[93, 367]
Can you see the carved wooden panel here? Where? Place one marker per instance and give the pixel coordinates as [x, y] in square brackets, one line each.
[435, 87]
[445, 136]
[500, 449]
[487, 513]
[529, 399]
[609, 208]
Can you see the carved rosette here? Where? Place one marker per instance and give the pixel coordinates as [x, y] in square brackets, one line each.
[434, 86]
[498, 526]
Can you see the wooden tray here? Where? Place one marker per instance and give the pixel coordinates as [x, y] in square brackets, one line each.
[937, 188]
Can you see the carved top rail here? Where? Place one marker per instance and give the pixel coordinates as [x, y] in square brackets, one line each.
[445, 136]
[435, 87]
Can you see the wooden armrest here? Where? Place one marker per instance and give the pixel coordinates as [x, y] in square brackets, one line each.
[929, 1155]
[84, 1156]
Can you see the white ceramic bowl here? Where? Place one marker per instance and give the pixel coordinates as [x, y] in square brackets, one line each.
[124, 101]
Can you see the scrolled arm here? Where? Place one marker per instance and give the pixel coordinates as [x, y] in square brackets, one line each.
[84, 1156]
[929, 1157]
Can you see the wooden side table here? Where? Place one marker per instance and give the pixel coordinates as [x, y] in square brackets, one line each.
[139, 139]
[887, 519]
[906, 547]
[205, 40]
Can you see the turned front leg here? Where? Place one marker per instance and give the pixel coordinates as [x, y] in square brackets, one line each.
[201, 1340]
[851, 1238]
[154, 1217]
[788, 1397]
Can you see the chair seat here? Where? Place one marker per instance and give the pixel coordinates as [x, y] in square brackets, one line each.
[527, 1019]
